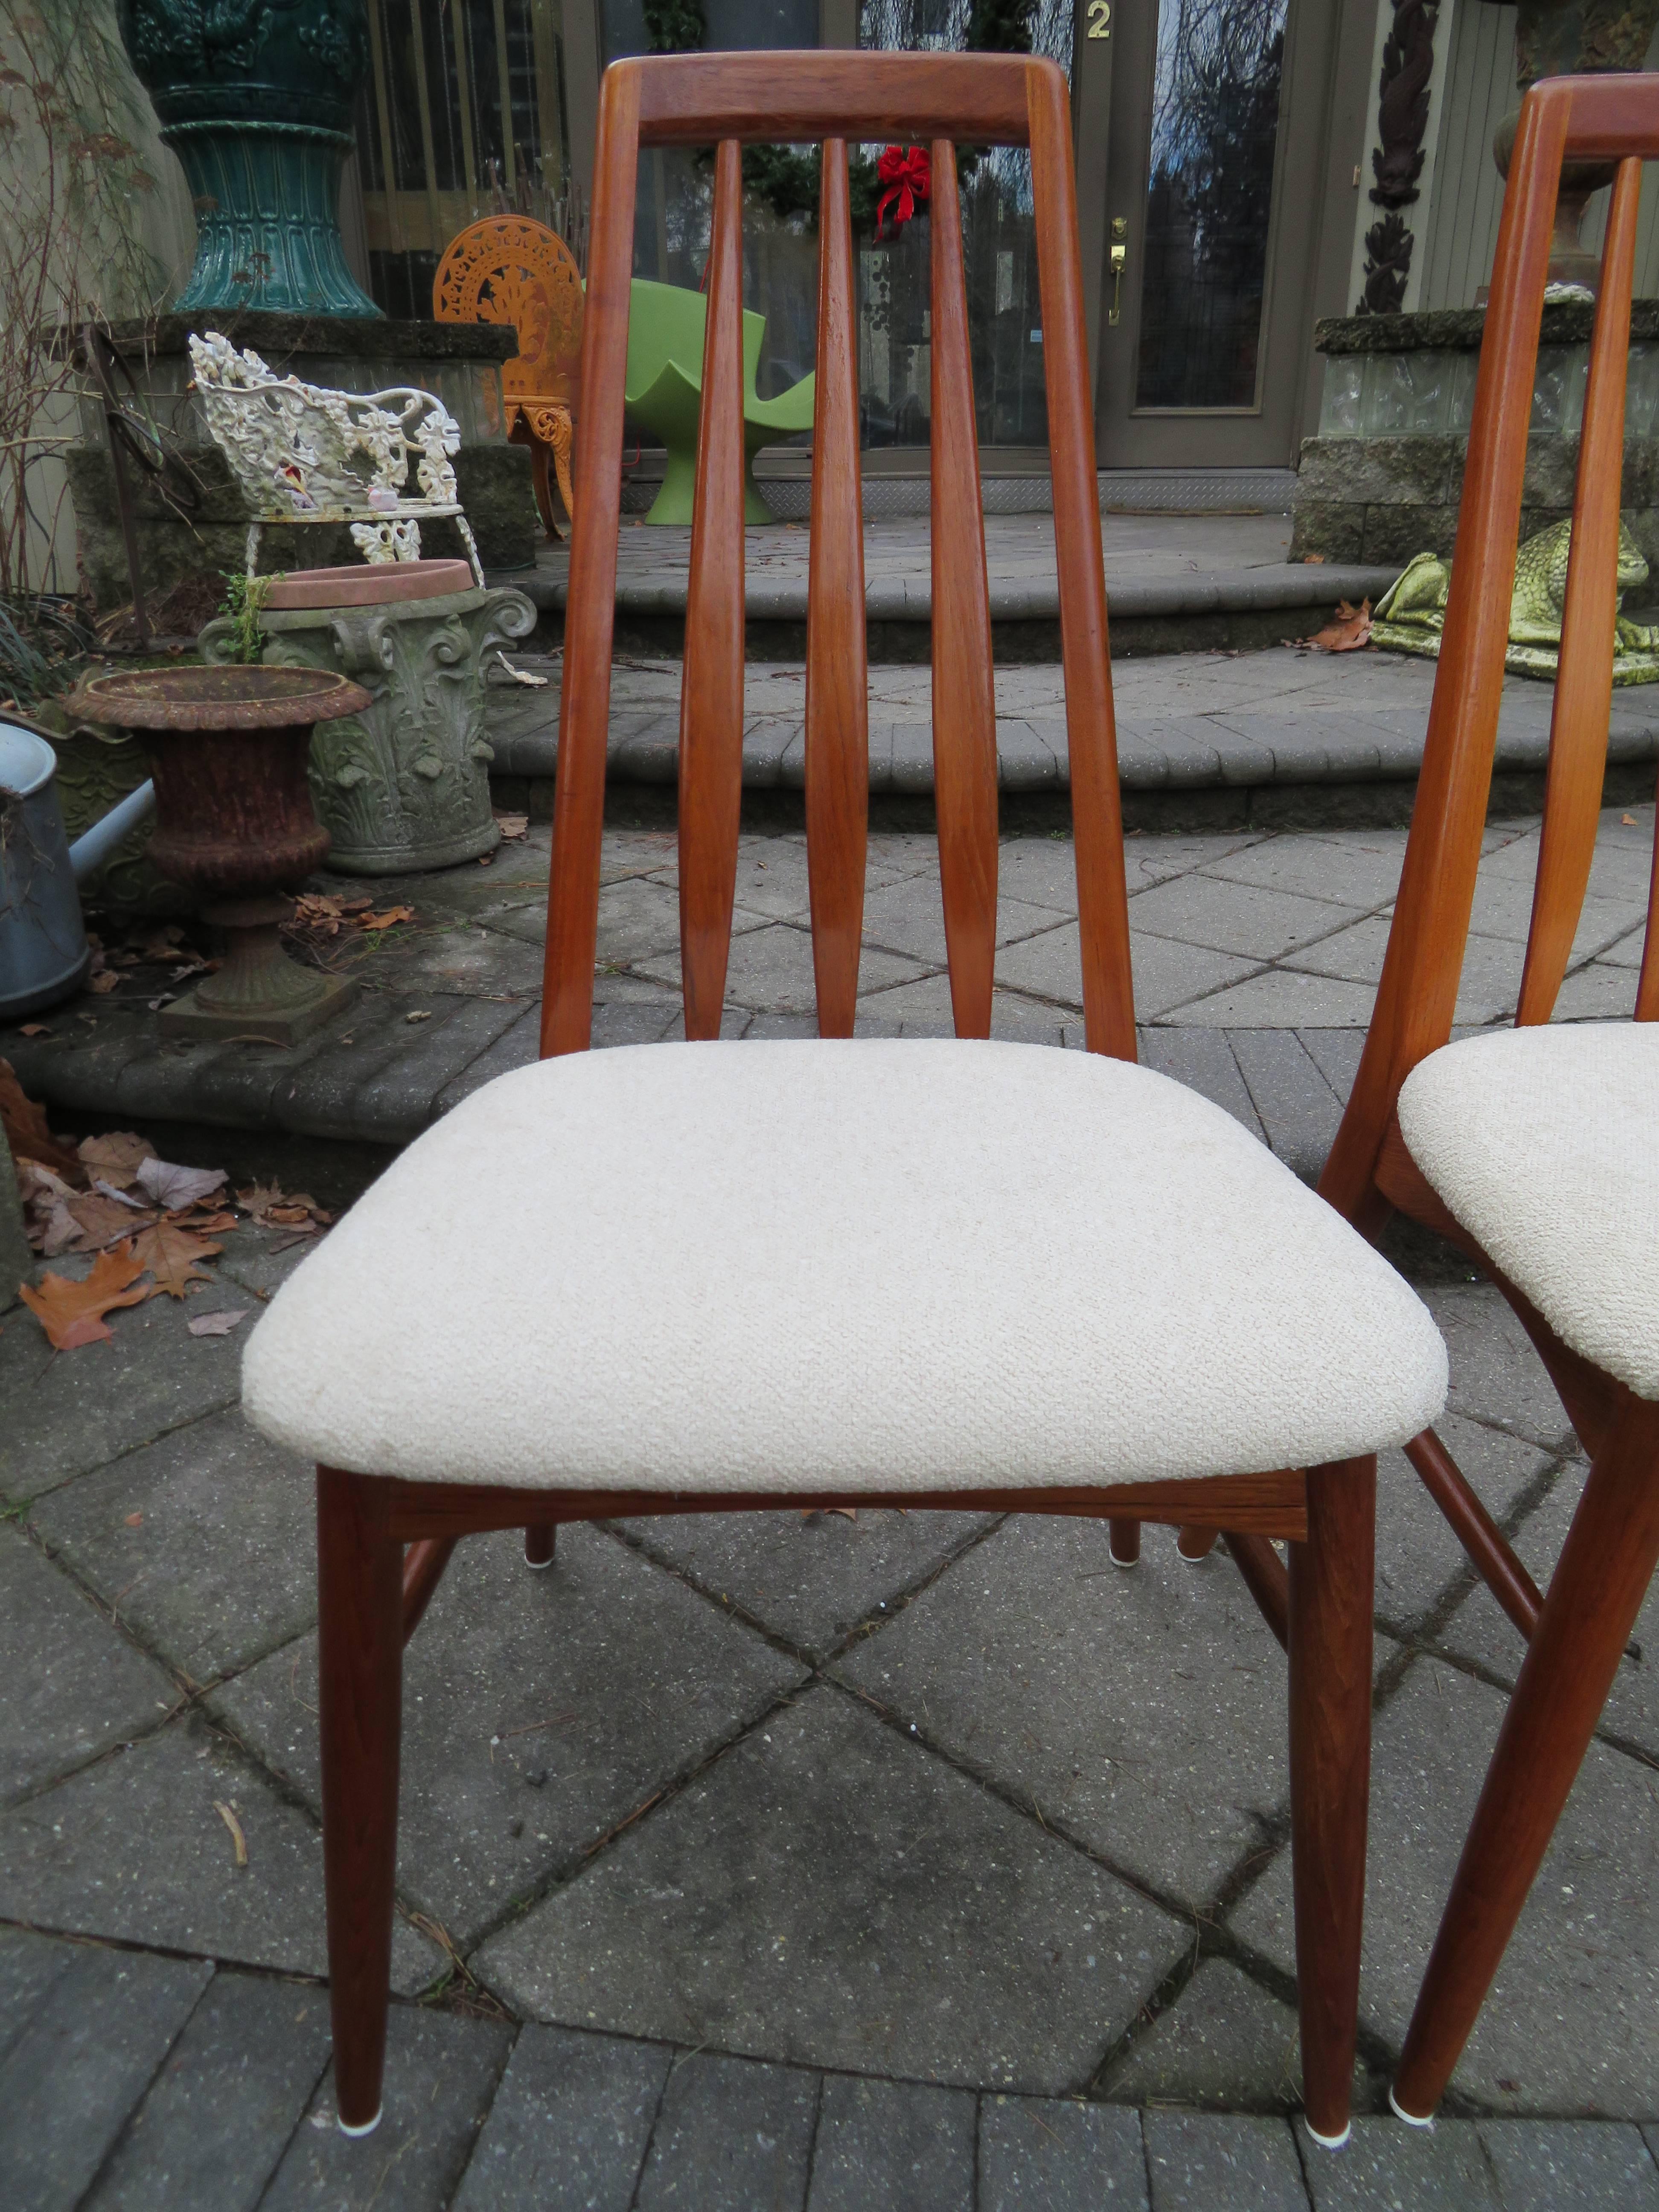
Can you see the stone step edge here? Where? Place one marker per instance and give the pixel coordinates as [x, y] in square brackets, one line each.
[904, 598]
[1032, 756]
[1286, 1085]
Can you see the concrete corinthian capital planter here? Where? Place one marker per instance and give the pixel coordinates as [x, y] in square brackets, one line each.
[404, 785]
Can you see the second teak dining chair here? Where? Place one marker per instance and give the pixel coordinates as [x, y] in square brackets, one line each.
[1534, 1150]
[947, 1272]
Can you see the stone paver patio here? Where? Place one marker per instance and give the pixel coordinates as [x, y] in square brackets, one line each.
[913, 1861]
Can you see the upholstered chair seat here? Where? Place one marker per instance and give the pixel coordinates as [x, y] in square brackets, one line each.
[814, 1265]
[1544, 1144]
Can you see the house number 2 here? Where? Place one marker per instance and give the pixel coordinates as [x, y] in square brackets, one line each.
[1100, 19]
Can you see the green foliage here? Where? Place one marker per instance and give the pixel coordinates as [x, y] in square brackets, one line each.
[1001, 27]
[675, 26]
[244, 602]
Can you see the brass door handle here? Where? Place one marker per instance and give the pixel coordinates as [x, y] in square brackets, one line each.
[1119, 258]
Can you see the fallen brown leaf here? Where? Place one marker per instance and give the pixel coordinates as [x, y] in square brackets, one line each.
[116, 1157]
[135, 1521]
[104, 980]
[34, 1028]
[174, 1186]
[101, 1220]
[26, 1127]
[1349, 630]
[172, 1255]
[393, 914]
[1629, 821]
[511, 826]
[72, 1314]
[215, 1324]
[1313, 560]
[235, 1827]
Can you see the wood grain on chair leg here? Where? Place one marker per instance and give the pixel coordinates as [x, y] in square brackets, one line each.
[1591, 1605]
[1265, 1578]
[1479, 1534]
[1330, 1648]
[360, 1575]
[539, 1544]
[1123, 1542]
[1194, 1543]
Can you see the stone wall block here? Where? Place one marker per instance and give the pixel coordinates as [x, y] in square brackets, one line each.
[1334, 529]
[1380, 471]
[1394, 534]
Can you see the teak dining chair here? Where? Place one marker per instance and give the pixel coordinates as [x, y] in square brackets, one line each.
[940, 1274]
[1534, 1150]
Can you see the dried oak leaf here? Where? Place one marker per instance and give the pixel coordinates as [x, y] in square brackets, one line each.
[116, 1158]
[1349, 630]
[72, 1314]
[217, 1324]
[511, 826]
[26, 1127]
[393, 913]
[101, 1220]
[47, 1221]
[171, 1253]
[174, 1186]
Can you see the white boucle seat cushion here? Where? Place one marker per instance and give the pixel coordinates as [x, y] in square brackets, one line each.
[1544, 1143]
[811, 1265]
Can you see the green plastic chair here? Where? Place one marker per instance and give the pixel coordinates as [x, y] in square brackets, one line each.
[664, 385]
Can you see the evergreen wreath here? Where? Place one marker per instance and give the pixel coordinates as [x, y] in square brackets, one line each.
[788, 178]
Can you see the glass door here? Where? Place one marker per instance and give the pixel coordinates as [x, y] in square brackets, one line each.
[1211, 192]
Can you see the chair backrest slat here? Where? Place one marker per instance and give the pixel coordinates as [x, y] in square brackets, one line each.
[711, 691]
[1583, 683]
[837, 687]
[1592, 118]
[573, 893]
[1108, 1013]
[732, 100]
[964, 699]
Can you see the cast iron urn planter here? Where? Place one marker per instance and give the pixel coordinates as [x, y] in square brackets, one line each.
[234, 822]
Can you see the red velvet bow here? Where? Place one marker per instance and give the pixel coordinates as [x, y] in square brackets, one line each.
[907, 176]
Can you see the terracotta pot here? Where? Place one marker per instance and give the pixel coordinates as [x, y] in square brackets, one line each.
[384, 584]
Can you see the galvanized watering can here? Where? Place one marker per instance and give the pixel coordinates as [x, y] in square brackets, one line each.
[44, 955]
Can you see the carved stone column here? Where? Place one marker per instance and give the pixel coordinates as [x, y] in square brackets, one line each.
[404, 786]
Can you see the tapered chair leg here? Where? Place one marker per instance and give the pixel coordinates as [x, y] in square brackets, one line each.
[1330, 1666]
[1194, 1543]
[1589, 1609]
[1123, 1543]
[539, 1544]
[360, 1575]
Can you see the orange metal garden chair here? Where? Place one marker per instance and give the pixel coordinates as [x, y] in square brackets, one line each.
[939, 1274]
[1534, 1150]
[511, 269]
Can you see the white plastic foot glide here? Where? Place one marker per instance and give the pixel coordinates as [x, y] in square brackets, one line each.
[536, 1566]
[1412, 2119]
[1188, 1561]
[1329, 2142]
[366, 2129]
[1116, 1562]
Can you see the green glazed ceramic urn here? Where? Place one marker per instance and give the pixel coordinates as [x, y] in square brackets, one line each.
[256, 98]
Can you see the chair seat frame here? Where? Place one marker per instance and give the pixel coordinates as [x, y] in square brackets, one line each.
[383, 1541]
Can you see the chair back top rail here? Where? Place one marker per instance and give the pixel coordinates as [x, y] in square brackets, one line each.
[731, 99]
[1606, 117]
[696, 99]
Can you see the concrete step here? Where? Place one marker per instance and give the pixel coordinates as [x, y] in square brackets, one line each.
[1174, 583]
[1205, 741]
